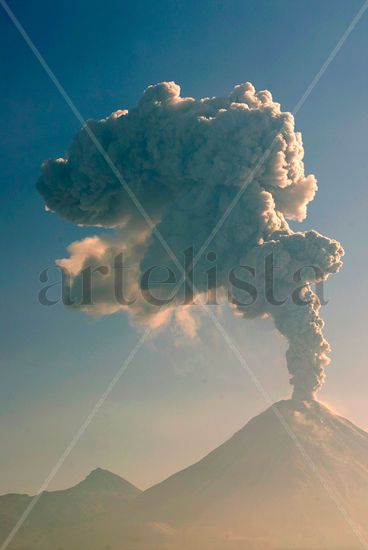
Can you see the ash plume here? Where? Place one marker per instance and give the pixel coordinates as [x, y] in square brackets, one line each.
[185, 159]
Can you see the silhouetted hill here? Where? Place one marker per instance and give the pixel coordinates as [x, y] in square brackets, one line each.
[105, 481]
[100, 493]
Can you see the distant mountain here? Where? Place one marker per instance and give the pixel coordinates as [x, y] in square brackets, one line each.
[103, 481]
[298, 484]
[100, 493]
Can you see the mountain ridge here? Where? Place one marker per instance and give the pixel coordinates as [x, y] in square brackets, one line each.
[259, 489]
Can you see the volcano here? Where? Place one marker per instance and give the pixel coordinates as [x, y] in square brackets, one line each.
[295, 477]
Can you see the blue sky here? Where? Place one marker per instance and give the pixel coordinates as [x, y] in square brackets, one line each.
[177, 401]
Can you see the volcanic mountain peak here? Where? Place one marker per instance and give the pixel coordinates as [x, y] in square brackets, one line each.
[274, 480]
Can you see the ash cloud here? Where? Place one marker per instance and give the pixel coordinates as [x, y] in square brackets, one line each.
[185, 159]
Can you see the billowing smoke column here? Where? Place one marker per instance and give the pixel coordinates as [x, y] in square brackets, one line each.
[185, 160]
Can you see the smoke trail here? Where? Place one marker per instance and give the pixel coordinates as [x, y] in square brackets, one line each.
[299, 260]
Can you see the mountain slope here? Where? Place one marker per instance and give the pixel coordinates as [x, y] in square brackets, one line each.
[101, 492]
[301, 483]
[298, 484]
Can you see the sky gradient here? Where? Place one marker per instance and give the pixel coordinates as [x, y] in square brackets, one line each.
[178, 400]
